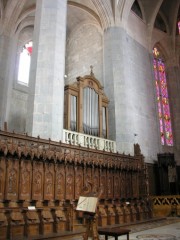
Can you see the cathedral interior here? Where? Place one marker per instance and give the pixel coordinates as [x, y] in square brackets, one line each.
[89, 104]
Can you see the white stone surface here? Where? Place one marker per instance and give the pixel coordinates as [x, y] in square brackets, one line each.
[46, 99]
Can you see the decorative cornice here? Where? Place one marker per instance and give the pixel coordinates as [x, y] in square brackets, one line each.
[23, 146]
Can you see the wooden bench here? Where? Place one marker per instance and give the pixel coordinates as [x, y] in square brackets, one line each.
[114, 232]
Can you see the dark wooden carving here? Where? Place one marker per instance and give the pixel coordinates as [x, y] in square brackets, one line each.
[25, 180]
[16, 224]
[38, 178]
[49, 181]
[110, 215]
[12, 180]
[2, 177]
[78, 181]
[110, 185]
[3, 226]
[116, 185]
[95, 180]
[102, 216]
[51, 176]
[103, 183]
[69, 183]
[47, 222]
[60, 182]
[32, 223]
[119, 214]
[60, 220]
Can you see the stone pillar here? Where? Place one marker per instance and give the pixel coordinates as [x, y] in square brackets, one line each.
[173, 73]
[128, 82]
[46, 93]
[4, 56]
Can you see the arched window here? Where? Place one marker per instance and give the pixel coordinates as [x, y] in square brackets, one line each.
[162, 99]
[24, 63]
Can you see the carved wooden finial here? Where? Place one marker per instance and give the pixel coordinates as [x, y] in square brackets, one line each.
[91, 73]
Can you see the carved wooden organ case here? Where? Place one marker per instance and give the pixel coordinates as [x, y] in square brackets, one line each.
[86, 107]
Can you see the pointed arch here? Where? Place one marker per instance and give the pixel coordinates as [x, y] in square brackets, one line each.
[11, 14]
[105, 12]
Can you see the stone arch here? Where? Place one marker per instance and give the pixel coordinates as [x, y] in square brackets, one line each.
[105, 12]
[11, 14]
[165, 22]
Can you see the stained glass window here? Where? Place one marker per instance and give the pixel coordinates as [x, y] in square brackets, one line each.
[162, 100]
[24, 63]
[179, 27]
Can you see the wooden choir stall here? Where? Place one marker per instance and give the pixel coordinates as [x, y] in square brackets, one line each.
[41, 181]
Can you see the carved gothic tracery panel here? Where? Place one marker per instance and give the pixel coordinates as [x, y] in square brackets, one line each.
[38, 178]
[12, 179]
[25, 180]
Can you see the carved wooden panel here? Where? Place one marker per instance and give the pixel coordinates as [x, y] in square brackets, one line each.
[123, 185]
[110, 184]
[12, 179]
[60, 182]
[2, 177]
[135, 188]
[103, 183]
[49, 181]
[128, 184]
[116, 185]
[25, 180]
[69, 182]
[95, 180]
[78, 181]
[88, 178]
[38, 180]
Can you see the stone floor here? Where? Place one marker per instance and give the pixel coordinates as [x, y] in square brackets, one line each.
[167, 230]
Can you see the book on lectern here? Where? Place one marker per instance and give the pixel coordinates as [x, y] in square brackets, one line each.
[87, 204]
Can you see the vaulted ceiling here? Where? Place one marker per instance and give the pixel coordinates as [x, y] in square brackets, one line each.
[104, 13]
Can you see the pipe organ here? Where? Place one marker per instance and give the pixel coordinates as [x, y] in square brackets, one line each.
[86, 107]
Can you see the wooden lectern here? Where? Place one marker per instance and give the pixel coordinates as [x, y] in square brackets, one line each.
[88, 203]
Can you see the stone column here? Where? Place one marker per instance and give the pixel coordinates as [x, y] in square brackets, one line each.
[173, 81]
[129, 85]
[4, 56]
[46, 93]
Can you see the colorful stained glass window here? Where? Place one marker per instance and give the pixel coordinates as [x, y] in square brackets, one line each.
[24, 63]
[179, 27]
[162, 100]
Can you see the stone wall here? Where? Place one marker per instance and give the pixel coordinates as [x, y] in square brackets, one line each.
[84, 48]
